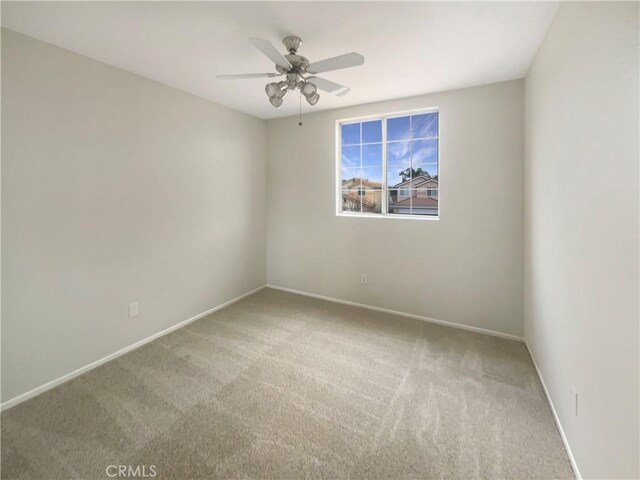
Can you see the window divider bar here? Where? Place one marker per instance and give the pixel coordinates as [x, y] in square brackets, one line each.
[384, 209]
[408, 140]
[410, 167]
[361, 172]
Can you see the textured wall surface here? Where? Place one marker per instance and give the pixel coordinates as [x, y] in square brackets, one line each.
[116, 189]
[465, 267]
[582, 238]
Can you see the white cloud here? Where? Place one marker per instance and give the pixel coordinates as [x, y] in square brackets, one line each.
[426, 153]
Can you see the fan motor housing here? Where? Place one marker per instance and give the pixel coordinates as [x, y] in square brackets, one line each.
[298, 62]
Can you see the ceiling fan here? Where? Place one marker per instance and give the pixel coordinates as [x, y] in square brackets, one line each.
[300, 72]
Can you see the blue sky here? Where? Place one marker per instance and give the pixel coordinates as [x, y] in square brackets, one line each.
[415, 126]
[403, 149]
[371, 133]
[399, 128]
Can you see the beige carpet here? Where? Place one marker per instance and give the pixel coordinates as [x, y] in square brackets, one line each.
[280, 386]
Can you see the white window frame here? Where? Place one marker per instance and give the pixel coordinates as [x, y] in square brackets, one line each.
[384, 117]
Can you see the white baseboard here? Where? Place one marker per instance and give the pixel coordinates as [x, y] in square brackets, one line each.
[402, 314]
[567, 447]
[485, 331]
[65, 378]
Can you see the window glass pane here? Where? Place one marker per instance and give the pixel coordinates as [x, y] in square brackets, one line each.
[425, 182]
[424, 126]
[351, 134]
[392, 198]
[425, 170]
[424, 151]
[396, 175]
[421, 204]
[398, 202]
[350, 157]
[351, 178]
[351, 201]
[398, 153]
[427, 191]
[372, 155]
[372, 131]
[421, 176]
[372, 201]
[372, 177]
[398, 128]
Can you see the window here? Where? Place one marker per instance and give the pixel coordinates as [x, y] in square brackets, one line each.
[389, 165]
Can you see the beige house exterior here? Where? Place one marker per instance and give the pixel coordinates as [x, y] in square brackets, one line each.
[418, 195]
[357, 192]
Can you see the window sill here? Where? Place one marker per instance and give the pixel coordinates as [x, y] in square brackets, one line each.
[430, 218]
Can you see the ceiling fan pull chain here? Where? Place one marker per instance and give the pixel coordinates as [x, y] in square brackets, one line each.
[300, 117]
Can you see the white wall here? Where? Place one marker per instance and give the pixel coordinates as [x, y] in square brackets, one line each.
[116, 189]
[582, 230]
[464, 268]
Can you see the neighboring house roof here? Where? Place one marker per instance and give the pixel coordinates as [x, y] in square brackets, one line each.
[417, 202]
[374, 185]
[365, 183]
[416, 181]
[432, 182]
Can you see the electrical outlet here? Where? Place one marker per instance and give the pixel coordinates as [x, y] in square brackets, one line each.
[363, 279]
[134, 309]
[575, 399]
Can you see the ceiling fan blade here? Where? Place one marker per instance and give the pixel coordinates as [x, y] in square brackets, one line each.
[329, 86]
[247, 75]
[347, 60]
[266, 47]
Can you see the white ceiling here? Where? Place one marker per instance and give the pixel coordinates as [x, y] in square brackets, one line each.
[410, 48]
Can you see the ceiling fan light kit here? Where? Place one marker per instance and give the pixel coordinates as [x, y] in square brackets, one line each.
[272, 89]
[313, 99]
[296, 69]
[276, 102]
[307, 88]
